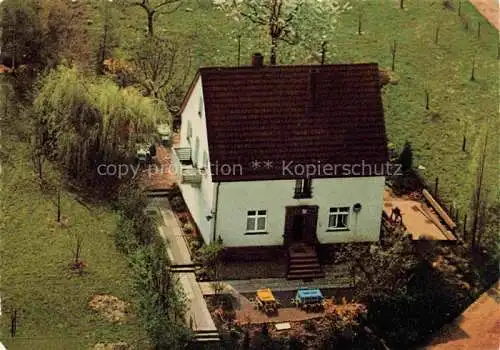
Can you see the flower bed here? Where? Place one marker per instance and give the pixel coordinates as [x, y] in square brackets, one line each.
[189, 227]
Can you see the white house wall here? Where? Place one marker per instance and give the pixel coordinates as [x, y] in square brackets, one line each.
[236, 198]
[198, 199]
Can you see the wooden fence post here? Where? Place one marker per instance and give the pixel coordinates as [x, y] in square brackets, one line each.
[393, 52]
[360, 18]
[13, 323]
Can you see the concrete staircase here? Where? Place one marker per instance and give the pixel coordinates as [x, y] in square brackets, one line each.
[206, 337]
[303, 263]
[182, 268]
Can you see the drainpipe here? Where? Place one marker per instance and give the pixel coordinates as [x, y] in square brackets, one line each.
[216, 211]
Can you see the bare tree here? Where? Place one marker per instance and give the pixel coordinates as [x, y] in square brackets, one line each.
[473, 70]
[360, 22]
[13, 323]
[393, 53]
[58, 204]
[436, 33]
[107, 38]
[162, 67]
[40, 147]
[464, 141]
[77, 251]
[155, 7]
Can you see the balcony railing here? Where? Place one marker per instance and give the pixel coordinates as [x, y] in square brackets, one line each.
[183, 166]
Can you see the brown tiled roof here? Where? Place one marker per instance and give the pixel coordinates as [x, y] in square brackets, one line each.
[329, 114]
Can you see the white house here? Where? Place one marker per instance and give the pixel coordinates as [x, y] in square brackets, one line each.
[272, 156]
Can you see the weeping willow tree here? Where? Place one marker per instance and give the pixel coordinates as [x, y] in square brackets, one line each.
[91, 121]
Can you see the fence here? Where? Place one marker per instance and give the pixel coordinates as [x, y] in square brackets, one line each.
[461, 221]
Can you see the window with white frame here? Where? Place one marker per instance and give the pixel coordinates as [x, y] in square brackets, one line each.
[338, 218]
[256, 221]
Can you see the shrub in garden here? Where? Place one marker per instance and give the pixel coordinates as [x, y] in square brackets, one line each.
[177, 204]
[309, 325]
[393, 154]
[208, 256]
[174, 192]
[183, 219]
[125, 239]
[160, 302]
[406, 158]
[188, 229]
[448, 4]
[195, 245]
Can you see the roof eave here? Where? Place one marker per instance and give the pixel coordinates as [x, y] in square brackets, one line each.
[189, 92]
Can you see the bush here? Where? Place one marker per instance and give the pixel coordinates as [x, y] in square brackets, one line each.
[448, 4]
[174, 192]
[177, 204]
[124, 236]
[406, 158]
[188, 229]
[309, 325]
[208, 255]
[183, 219]
[195, 245]
[161, 303]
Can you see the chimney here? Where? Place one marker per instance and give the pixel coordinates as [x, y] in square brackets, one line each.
[257, 60]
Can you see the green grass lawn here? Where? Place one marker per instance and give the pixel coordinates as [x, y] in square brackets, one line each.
[456, 103]
[35, 255]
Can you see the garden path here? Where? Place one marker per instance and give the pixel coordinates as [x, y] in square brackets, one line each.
[197, 315]
[171, 231]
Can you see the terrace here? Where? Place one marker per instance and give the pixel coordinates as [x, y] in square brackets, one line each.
[422, 218]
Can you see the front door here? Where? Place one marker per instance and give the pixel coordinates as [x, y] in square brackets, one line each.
[300, 224]
[298, 227]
